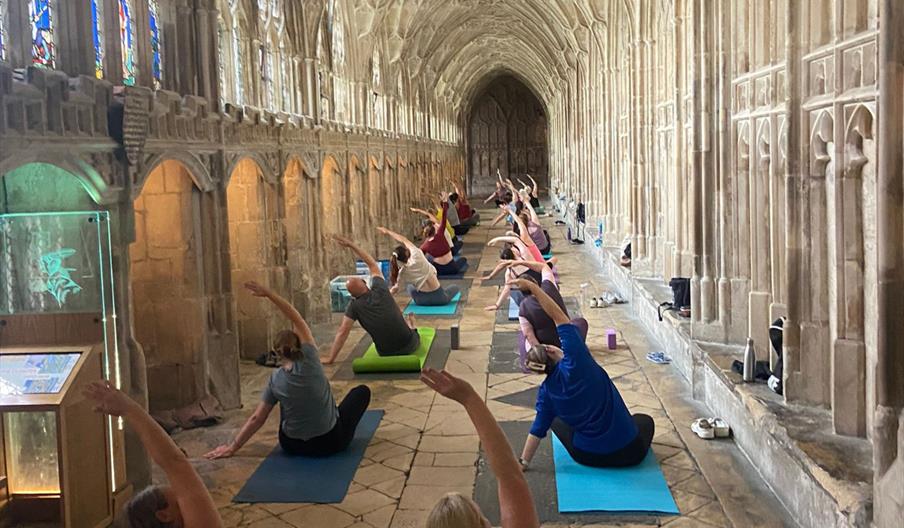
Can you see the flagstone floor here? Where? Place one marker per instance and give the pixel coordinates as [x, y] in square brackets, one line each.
[425, 446]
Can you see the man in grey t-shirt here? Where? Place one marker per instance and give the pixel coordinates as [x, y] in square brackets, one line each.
[376, 310]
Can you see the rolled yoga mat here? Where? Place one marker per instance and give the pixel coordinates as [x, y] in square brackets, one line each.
[286, 478]
[445, 309]
[371, 361]
[640, 488]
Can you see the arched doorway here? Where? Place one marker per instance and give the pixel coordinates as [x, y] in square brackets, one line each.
[256, 252]
[507, 131]
[166, 273]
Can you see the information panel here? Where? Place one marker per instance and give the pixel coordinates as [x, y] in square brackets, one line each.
[35, 373]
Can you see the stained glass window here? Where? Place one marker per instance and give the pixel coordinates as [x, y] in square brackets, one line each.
[42, 49]
[3, 37]
[127, 37]
[156, 42]
[97, 27]
[222, 51]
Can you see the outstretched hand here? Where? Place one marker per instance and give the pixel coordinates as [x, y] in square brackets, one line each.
[224, 451]
[256, 289]
[107, 398]
[383, 230]
[448, 385]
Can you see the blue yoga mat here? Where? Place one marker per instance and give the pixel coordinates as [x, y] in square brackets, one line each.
[547, 256]
[641, 488]
[445, 309]
[513, 310]
[286, 478]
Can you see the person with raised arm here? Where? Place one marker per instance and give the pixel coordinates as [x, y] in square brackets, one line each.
[516, 505]
[310, 422]
[539, 235]
[514, 249]
[468, 216]
[579, 401]
[409, 265]
[437, 248]
[184, 502]
[376, 310]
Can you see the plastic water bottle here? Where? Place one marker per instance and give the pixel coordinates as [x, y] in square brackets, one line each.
[749, 361]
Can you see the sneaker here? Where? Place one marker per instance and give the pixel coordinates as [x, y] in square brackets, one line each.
[720, 427]
[775, 383]
[593, 303]
[702, 428]
[602, 303]
[660, 358]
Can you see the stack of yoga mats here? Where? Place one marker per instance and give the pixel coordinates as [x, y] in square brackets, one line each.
[373, 362]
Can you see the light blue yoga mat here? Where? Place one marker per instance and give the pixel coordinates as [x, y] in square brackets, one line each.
[513, 310]
[641, 488]
[547, 256]
[288, 478]
[445, 309]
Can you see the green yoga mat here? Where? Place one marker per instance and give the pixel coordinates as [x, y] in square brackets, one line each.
[373, 362]
[444, 309]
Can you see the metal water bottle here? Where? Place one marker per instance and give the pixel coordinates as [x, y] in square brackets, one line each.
[749, 361]
[454, 337]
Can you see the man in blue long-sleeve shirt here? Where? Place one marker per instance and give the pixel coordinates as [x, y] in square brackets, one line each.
[579, 402]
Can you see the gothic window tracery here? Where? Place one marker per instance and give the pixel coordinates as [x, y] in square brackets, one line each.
[377, 86]
[42, 45]
[336, 32]
[3, 35]
[127, 39]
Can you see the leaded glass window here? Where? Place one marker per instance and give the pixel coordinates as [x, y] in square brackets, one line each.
[238, 60]
[127, 38]
[156, 42]
[3, 37]
[97, 28]
[42, 48]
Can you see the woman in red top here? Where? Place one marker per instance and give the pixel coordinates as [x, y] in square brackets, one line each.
[437, 249]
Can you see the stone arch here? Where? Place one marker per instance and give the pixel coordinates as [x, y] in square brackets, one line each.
[332, 197]
[257, 250]
[258, 159]
[169, 306]
[194, 167]
[61, 190]
[88, 176]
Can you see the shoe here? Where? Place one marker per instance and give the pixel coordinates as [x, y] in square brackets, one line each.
[593, 302]
[720, 427]
[660, 358]
[702, 428]
[601, 303]
[775, 384]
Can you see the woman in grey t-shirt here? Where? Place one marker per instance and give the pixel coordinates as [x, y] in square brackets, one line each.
[310, 422]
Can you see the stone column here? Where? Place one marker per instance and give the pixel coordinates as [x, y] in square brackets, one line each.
[888, 432]
[311, 91]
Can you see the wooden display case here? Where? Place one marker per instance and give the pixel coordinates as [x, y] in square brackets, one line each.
[56, 451]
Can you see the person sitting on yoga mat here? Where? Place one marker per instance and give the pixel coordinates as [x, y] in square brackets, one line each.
[185, 501]
[533, 191]
[536, 232]
[516, 505]
[498, 196]
[376, 310]
[437, 248]
[310, 423]
[579, 401]
[409, 264]
[515, 249]
[468, 216]
[537, 328]
[452, 239]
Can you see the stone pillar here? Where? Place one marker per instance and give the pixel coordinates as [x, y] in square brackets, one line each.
[311, 90]
[888, 432]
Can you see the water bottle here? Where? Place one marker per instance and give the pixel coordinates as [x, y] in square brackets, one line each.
[749, 361]
[454, 337]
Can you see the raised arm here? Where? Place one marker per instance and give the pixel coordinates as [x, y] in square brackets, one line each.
[541, 267]
[397, 237]
[522, 248]
[535, 189]
[515, 502]
[533, 214]
[523, 233]
[549, 306]
[432, 217]
[195, 504]
[299, 325]
[372, 265]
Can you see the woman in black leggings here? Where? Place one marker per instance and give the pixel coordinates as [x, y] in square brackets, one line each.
[310, 422]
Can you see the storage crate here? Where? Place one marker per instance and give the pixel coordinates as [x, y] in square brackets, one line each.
[361, 268]
[339, 296]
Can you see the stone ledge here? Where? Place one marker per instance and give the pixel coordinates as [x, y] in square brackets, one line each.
[822, 479]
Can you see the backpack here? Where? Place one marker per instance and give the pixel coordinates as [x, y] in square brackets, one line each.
[681, 295]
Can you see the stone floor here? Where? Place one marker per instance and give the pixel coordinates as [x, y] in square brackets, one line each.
[425, 446]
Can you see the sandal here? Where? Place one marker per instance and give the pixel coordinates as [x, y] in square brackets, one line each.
[702, 428]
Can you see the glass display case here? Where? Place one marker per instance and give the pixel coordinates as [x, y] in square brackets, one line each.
[56, 290]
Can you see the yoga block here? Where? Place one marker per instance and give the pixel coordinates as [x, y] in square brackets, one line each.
[339, 296]
[373, 362]
[611, 339]
[361, 268]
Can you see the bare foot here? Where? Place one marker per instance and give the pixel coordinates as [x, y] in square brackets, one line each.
[411, 323]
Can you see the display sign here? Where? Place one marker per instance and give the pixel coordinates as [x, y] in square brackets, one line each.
[35, 373]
